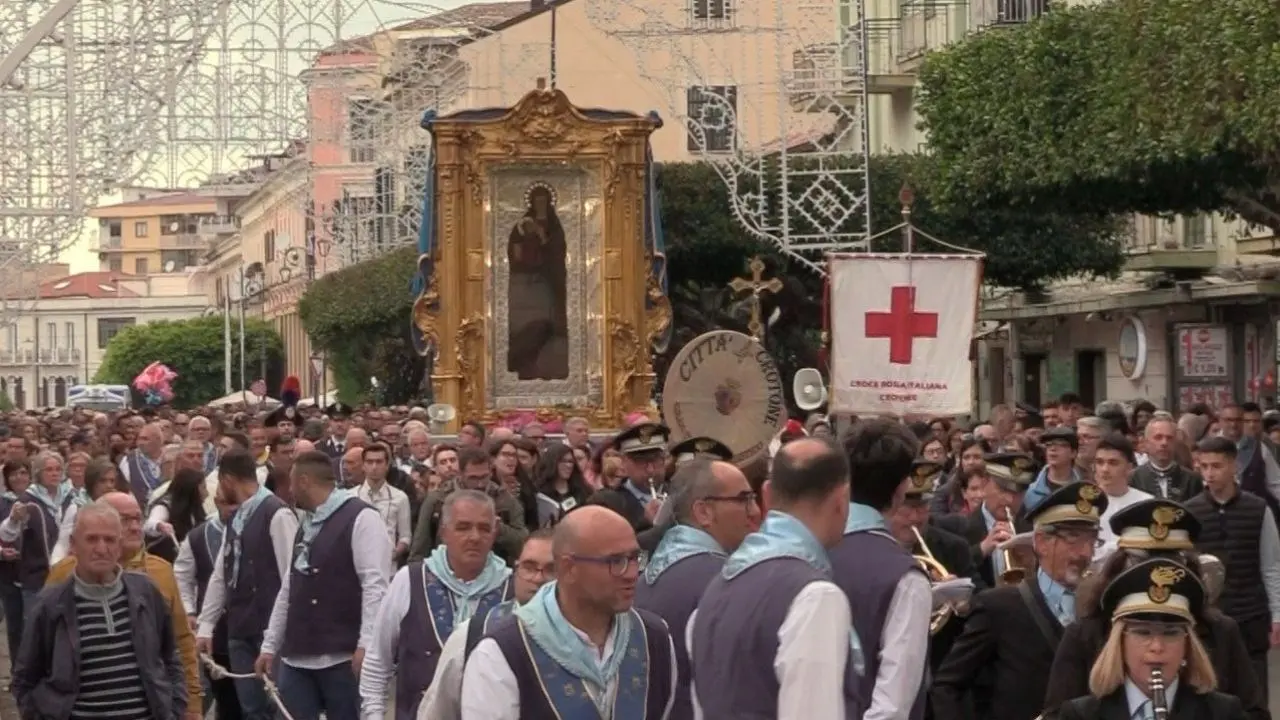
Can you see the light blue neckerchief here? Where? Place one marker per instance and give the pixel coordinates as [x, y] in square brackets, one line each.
[780, 535]
[549, 630]
[238, 522]
[51, 501]
[863, 517]
[79, 495]
[678, 543]
[311, 528]
[10, 496]
[151, 470]
[1059, 599]
[494, 574]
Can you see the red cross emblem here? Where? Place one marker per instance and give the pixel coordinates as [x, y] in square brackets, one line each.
[902, 324]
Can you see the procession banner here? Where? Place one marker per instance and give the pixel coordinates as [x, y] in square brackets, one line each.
[901, 328]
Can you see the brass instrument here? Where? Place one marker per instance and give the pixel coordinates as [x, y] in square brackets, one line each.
[937, 573]
[1159, 703]
[1013, 573]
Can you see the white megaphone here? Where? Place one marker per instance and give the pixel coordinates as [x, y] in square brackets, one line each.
[441, 414]
[809, 389]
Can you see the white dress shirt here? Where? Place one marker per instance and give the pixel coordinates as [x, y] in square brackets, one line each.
[904, 649]
[371, 556]
[283, 529]
[1115, 503]
[443, 699]
[392, 505]
[63, 547]
[813, 654]
[490, 690]
[184, 571]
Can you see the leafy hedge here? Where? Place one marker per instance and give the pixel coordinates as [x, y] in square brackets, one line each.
[193, 348]
[1121, 106]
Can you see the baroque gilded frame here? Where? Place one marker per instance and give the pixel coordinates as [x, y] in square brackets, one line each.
[543, 131]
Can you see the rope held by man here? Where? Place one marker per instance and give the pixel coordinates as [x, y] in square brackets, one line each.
[217, 672]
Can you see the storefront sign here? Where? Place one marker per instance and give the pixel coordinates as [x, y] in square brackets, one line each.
[1203, 352]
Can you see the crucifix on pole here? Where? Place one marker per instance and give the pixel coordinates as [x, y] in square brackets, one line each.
[755, 285]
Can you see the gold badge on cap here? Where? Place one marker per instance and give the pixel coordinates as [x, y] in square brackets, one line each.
[705, 445]
[1088, 494]
[1021, 464]
[646, 434]
[1163, 579]
[1162, 518]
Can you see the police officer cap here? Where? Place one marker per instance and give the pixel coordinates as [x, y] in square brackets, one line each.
[694, 447]
[1012, 471]
[338, 409]
[641, 437]
[1062, 433]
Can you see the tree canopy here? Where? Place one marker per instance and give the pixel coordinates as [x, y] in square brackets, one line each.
[1148, 106]
[193, 348]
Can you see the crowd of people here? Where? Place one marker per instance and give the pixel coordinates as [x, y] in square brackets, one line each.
[345, 563]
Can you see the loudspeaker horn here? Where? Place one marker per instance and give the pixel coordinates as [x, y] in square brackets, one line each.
[809, 389]
[441, 414]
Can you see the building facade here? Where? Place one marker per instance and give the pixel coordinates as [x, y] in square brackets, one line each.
[153, 232]
[61, 336]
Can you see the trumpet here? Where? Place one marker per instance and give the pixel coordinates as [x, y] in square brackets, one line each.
[1159, 703]
[1013, 573]
[937, 573]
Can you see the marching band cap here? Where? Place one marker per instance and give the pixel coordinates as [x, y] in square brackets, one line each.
[1079, 503]
[1011, 471]
[1062, 433]
[338, 409]
[920, 483]
[1156, 587]
[1155, 524]
[1027, 408]
[641, 437]
[284, 413]
[687, 450]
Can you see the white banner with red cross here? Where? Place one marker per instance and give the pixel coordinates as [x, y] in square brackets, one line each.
[901, 328]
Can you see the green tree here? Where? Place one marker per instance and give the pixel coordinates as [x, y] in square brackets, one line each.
[1154, 106]
[194, 349]
[360, 317]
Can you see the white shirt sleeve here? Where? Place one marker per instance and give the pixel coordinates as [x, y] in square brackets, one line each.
[11, 530]
[443, 700]
[371, 555]
[490, 690]
[215, 598]
[1269, 557]
[380, 655]
[274, 635]
[63, 547]
[284, 531]
[905, 650]
[404, 529]
[813, 653]
[184, 571]
[157, 514]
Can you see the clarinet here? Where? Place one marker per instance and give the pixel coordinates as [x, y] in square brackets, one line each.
[1159, 705]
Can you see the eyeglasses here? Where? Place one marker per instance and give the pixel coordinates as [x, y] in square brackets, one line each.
[745, 497]
[1148, 633]
[532, 570]
[1079, 539]
[618, 564]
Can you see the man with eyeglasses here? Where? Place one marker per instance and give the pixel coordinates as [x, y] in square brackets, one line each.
[534, 568]
[1013, 632]
[643, 447]
[578, 649]
[714, 509]
[429, 599]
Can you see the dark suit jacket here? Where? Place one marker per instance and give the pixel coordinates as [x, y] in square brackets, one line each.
[1187, 705]
[626, 504]
[973, 528]
[953, 552]
[1003, 638]
[1083, 640]
[1184, 483]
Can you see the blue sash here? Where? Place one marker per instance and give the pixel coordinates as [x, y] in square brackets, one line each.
[440, 603]
[568, 695]
[141, 481]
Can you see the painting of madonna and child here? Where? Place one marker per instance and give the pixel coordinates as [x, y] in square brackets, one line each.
[537, 311]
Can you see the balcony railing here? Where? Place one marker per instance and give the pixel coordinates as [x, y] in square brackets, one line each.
[997, 13]
[929, 25]
[183, 241]
[1179, 246]
[23, 356]
[110, 242]
[219, 225]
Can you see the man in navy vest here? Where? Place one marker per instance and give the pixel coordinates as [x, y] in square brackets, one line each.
[324, 613]
[140, 468]
[427, 600]
[772, 635]
[714, 510]
[890, 596]
[578, 649]
[1013, 631]
[534, 568]
[247, 573]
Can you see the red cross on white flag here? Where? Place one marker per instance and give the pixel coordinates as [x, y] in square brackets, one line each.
[901, 327]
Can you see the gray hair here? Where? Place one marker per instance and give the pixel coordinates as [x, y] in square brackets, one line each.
[97, 509]
[1109, 406]
[199, 420]
[42, 459]
[694, 481]
[1094, 423]
[1165, 418]
[464, 496]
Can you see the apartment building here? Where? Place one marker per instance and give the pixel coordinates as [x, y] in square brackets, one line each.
[156, 231]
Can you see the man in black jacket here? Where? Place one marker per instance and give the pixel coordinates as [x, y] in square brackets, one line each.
[1013, 631]
[1161, 476]
[644, 459]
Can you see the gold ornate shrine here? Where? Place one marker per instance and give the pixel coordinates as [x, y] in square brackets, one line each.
[542, 290]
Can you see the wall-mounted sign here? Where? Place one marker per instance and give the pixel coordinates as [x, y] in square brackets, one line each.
[1203, 352]
[1133, 347]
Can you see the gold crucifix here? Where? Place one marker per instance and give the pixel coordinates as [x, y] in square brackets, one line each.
[756, 285]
